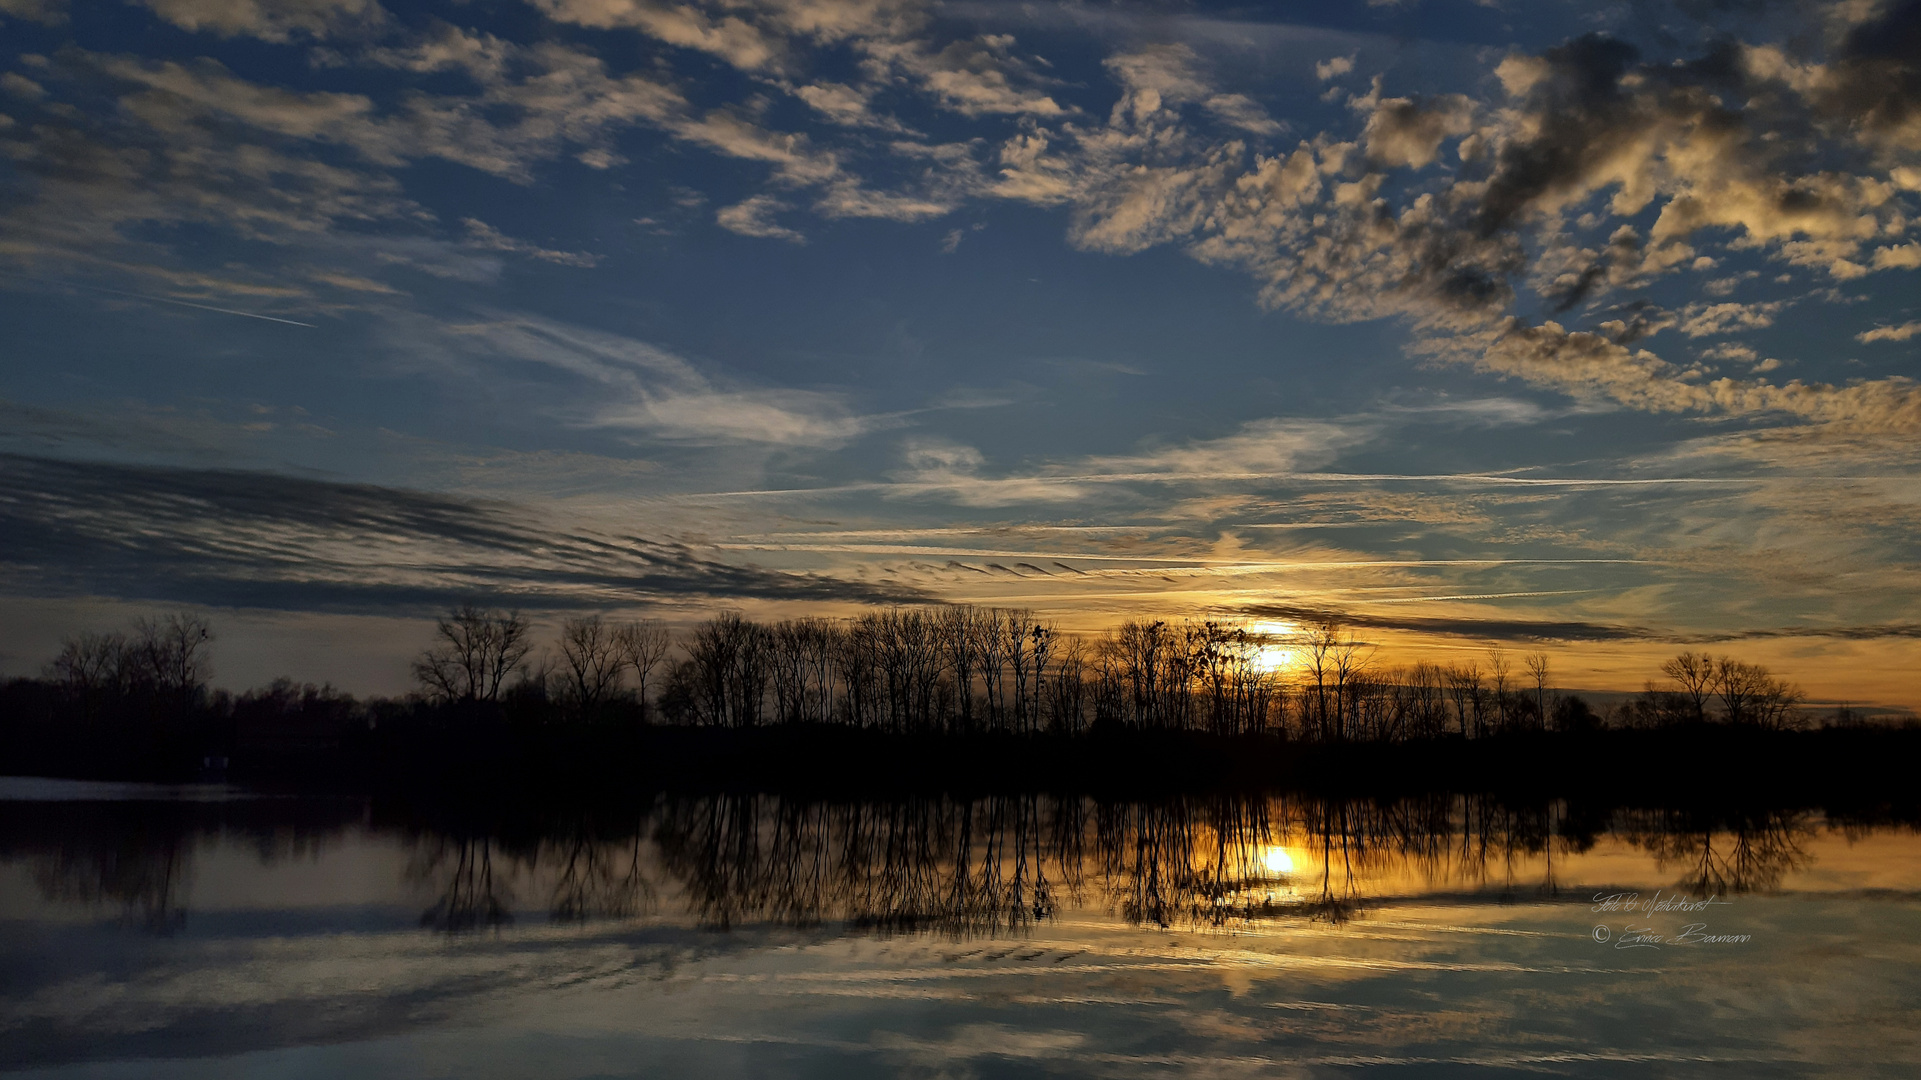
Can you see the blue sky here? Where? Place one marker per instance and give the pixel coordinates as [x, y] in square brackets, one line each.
[1548, 325]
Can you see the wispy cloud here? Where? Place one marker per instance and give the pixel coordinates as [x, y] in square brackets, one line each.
[754, 217]
[265, 540]
[639, 388]
[1902, 332]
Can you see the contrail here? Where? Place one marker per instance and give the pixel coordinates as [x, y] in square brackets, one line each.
[182, 303]
[222, 310]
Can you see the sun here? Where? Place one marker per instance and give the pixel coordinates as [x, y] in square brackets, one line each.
[1273, 655]
[1273, 658]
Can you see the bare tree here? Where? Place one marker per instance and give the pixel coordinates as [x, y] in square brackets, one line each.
[1017, 626]
[474, 652]
[92, 669]
[1322, 642]
[643, 644]
[1537, 670]
[1353, 660]
[1464, 686]
[1426, 686]
[1068, 691]
[957, 640]
[592, 660]
[1498, 666]
[730, 657]
[990, 657]
[170, 654]
[1750, 694]
[1695, 674]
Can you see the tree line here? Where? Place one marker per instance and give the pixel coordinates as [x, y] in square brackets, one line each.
[969, 670]
[143, 694]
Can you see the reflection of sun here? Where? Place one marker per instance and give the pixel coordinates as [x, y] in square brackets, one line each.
[1277, 860]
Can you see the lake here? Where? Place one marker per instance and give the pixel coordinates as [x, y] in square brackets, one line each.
[206, 932]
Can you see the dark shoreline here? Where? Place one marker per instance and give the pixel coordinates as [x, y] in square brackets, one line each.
[1843, 769]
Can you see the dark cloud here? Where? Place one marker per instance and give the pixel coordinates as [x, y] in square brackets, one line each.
[256, 539]
[1585, 112]
[1876, 75]
[1480, 628]
[1489, 629]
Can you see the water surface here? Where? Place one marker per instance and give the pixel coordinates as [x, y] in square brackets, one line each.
[202, 933]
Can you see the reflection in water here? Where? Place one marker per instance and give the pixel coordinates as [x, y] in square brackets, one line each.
[1443, 934]
[143, 873]
[1747, 853]
[956, 866]
[597, 878]
[986, 865]
[470, 894]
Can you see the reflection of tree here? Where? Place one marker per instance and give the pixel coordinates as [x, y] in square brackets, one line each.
[1748, 852]
[143, 871]
[1193, 861]
[958, 866]
[140, 855]
[598, 879]
[471, 895]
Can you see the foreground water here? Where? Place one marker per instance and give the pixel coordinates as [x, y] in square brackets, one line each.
[202, 933]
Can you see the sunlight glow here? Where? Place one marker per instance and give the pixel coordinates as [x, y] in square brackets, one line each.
[1277, 861]
[1273, 658]
[1274, 655]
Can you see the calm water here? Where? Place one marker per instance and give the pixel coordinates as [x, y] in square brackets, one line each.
[200, 933]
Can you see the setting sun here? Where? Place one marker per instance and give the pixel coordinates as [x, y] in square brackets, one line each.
[1273, 654]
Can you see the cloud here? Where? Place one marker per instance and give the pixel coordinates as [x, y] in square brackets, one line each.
[1476, 627]
[1585, 126]
[846, 105]
[266, 540]
[1485, 628]
[1241, 111]
[20, 86]
[976, 78]
[486, 237]
[638, 388]
[1732, 351]
[1334, 67]
[1890, 333]
[933, 466]
[270, 20]
[729, 37]
[49, 12]
[849, 199]
[752, 217]
[1586, 363]
[1901, 257]
[1408, 132]
[1706, 320]
[1271, 446]
[1587, 168]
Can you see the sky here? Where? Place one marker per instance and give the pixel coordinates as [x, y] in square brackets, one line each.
[1581, 328]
